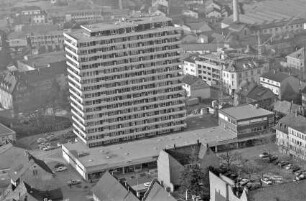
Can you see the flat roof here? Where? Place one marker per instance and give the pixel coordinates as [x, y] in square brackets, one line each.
[126, 23]
[4, 130]
[142, 150]
[45, 59]
[245, 112]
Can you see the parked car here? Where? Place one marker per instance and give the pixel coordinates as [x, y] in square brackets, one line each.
[59, 165]
[283, 163]
[253, 185]
[244, 182]
[266, 180]
[300, 177]
[295, 168]
[264, 155]
[40, 140]
[147, 184]
[289, 166]
[74, 182]
[273, 158]
[61, 169]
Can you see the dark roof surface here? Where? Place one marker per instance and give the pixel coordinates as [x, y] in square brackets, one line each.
[294, 121]
[5, 130]
[157, 193]
[278, 76]
[260, 93]
[110, 189]
[286, 107]
[190, 79]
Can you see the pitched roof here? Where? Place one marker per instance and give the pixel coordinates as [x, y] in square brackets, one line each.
[190, 38]
[294, 121]
[286, 107]
[199, 26]
[110, 189]
[299, 54]
[157, 193]
[20, 169]
[190, 79]
[304, 90]
[10, 156]
[260, 93]
[275, 76]
[4, 130]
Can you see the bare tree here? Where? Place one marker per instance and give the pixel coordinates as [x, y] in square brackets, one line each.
[228, 158]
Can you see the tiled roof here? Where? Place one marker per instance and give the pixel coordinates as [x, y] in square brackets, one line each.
[275, 76]
[110, 189]
[286, 107]
[157, 193]
[260, 93]
[294, 121]
[190, 79]
[199, 26]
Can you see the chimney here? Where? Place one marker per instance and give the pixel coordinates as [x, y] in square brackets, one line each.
[235, 11]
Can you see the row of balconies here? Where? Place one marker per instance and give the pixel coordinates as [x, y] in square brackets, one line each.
[132, 119]
[136, 45]
[118, 113]
[132, 102]
[158, 128]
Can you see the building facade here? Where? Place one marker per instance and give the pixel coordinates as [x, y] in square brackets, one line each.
[291, 135]
[243, 69]
[246, 120]
[132, 64]
[286, 87]
[296, 60]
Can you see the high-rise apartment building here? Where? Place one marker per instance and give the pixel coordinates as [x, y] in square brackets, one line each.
[124, 80]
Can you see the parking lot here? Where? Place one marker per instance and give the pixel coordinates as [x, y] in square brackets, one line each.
[266, 165]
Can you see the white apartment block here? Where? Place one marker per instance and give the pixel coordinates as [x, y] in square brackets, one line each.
[124, 80]
[189, 66]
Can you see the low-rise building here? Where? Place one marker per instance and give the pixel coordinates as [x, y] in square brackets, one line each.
[223, 188]
[252, 93]
[196, 87]
[246, 120]
[7, 135]
[291, 135]
[283, 108]
[91, 15]
[109, 188]
[32, 62]
[48, 37]
[171, 162]
[286, 87]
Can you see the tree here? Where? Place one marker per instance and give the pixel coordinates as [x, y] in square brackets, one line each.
[195, 181]
[229, 158]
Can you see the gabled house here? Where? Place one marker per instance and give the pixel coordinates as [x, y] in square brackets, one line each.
[32, 180]
[110, 189]
[171, 162]
[283, 108]
[156, 192]
[253, 93]
[199, 27]
[286, 87]
[196, 87]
